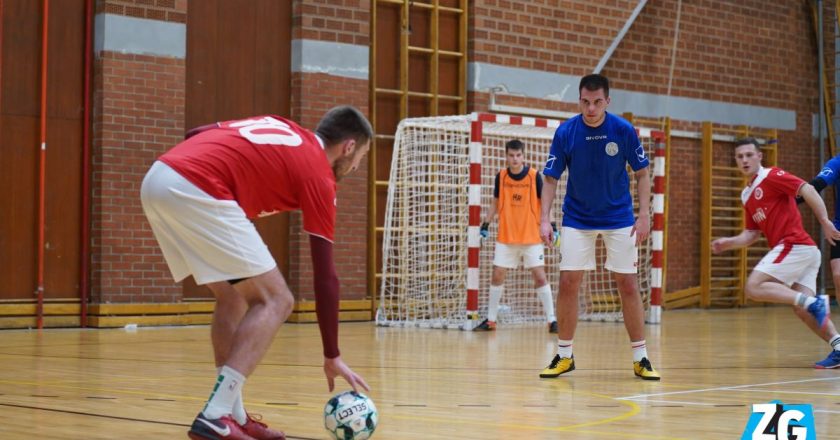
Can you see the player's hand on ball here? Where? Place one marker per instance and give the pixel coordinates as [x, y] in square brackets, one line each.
[336, 367]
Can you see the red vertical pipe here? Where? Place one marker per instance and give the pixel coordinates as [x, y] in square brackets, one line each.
[84, 276]
[39, 311]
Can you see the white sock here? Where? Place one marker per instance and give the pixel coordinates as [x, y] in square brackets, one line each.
[544, 293]
[238, 413]
[639, 350]
[228, 387]
[835, 342]
[495, 296]
[804, 301]
[564, 348]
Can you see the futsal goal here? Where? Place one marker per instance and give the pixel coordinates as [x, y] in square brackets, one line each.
[435, 271]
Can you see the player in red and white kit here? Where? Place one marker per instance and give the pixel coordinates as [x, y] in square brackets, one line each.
[200, 197]
[788, 273]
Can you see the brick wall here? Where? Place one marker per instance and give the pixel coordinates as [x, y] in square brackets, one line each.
[163, 10]
[138, 114]
[342, 21]
[746, 52]
[312, 95]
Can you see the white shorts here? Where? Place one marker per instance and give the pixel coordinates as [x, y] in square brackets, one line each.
[509, 255]
[577, 249]
[796, 264]
[210, 239]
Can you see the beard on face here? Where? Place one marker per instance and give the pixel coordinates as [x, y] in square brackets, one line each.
[341, 167]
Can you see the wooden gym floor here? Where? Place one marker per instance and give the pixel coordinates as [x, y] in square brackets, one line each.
[428, 384]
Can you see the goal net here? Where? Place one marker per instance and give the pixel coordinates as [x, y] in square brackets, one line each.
[436, 273]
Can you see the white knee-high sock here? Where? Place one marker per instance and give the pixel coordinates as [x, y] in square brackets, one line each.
[227, 388]
[547, 299]
[804, 301]
[493, 307]
[238, 413]
[639, 350]
[564, 348]
[835, 342]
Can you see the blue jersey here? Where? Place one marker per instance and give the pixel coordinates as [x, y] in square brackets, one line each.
[829, 174]
[598, 188]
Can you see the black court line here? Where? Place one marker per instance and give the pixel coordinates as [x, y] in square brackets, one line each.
[160, 400]
[603, 406]
[79, 413]
[100, 398]
[282, 403]
[129, 419]
[666, 406]
[42, 395]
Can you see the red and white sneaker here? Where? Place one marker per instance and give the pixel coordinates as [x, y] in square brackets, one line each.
[224, 428]
[259, 430]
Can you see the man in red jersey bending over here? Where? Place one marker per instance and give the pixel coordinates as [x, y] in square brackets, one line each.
[200, 197]
[788, 273]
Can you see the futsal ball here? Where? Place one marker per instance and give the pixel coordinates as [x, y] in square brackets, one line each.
[350, 416]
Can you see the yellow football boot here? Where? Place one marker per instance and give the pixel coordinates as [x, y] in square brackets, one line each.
[558, 366]
[645, 370]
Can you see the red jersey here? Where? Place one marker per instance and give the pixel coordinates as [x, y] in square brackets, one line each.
[267, 164]
[770, 205]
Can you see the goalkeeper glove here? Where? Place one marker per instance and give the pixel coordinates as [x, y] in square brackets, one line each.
[484, 231]
[555, 235]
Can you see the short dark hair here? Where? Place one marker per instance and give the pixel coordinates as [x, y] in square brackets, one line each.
[593, 82]
[342, 123]
[748, 140]
[514, 144]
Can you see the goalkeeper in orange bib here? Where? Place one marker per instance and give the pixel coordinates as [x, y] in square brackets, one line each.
[516, 199]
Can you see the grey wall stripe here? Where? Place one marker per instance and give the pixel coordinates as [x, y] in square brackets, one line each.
[544, 85]
[130, 35]
[339, 59]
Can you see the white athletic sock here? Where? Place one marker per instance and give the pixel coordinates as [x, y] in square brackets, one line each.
[493, 307]
[835, 342]
[639, 350]
[544, 293]
[228, 387]
[564, 348]
[238, 413]
[802, 300]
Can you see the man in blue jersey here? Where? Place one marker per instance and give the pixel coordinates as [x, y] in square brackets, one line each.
[595, 147]
[829, 176]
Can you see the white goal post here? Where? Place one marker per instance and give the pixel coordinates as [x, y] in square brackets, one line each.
[436, 272]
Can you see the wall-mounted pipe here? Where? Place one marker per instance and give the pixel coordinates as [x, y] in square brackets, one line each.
[84, 276]
[43, 167]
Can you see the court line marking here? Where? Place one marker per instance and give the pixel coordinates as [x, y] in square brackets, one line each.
[130, 419]
[81, 413]
[729, 388]
[807, 393]
[634, 409]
